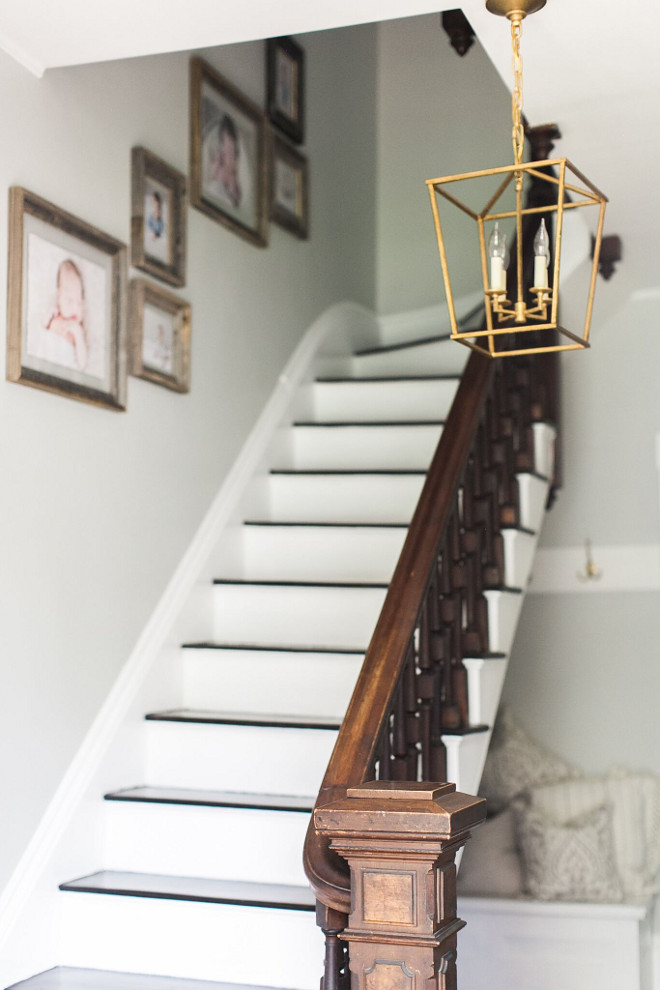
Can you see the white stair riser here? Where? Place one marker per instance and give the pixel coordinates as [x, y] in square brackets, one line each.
[318, 553]
[378, 401]
[268, 682]
[485, 680]
[438, 358]
[519, 550]
[237, 758]
[544, 448]
[466, 756]
[227, 843]
[363, 448]
[503, 611]
[296, 615]
[533, 497]
[260, 946]
[343, 498]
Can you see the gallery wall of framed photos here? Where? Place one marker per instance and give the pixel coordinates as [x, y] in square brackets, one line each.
[67, 301]
[99, 505]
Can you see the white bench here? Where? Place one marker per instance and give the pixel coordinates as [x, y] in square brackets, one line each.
[518, 944]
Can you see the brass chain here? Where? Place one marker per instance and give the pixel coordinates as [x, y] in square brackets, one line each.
[518, 133]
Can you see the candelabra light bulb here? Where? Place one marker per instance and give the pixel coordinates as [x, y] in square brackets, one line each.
[498, 254]
[541, 256]
[542, 243]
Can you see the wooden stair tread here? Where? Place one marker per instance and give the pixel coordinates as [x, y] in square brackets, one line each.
[74, 978]
[246, 718]
[352, 471]
[205, 889]
[405, 345]
[347, 380]
[350, 424]
[465, 730]
[347, 525]
[273, 583]
[273, 648]
[213, 799]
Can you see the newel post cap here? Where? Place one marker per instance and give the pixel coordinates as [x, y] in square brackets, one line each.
[417, 810]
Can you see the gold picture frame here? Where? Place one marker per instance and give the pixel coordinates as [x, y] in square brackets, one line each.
[159, 324]
[228, 155]
[158, 217]
[66, 304]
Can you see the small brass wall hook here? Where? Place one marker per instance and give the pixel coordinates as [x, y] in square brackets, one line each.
[590, 572]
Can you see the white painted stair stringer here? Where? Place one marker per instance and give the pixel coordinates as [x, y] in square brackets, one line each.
[196, 755]
[111, 751]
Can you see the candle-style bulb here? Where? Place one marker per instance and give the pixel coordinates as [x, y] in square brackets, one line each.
[498, 254]
[541, 256]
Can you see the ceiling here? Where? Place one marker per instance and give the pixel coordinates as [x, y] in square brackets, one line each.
[589, 67]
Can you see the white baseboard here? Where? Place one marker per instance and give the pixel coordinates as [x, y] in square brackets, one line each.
[338, 322]
[562, 570]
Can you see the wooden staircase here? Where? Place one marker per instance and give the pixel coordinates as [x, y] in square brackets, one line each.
[202, 874]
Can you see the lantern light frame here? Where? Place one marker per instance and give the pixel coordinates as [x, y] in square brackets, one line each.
[506, 321]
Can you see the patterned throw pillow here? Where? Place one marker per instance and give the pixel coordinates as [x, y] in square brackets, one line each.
[516, 762]
[570, 862]
[624, 797]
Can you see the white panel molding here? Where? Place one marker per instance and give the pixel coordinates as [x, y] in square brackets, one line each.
[340, 321]
[623, 568]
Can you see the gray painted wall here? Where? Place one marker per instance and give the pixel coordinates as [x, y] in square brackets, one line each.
[438, 115]
[97, 507]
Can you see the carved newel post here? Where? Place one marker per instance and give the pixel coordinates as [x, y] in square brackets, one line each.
[400, 840]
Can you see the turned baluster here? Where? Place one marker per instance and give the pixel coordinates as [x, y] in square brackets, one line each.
[332, 924]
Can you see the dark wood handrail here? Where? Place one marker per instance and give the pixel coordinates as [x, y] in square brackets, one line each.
[354, 754]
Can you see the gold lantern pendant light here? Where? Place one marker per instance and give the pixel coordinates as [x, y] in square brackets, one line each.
[527, 323]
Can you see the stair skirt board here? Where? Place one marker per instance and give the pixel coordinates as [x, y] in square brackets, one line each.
[190, 887]
[192, 939]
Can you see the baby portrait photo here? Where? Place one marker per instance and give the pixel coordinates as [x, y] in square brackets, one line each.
[159, 333]
[157, 225]
[158, 340]
[228, 159]
[158, 217]
[65, 311]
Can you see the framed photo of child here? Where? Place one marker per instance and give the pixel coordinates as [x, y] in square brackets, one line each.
[289, 188]
[159, 325]
[66, 304]
[285, 72]
[158, 218]
[228, 166]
